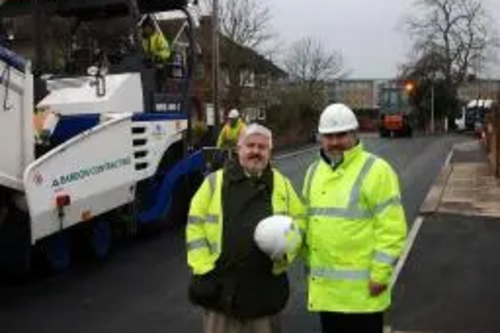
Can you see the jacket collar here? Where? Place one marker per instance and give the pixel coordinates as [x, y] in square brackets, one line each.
[236, 173]
[349, 156]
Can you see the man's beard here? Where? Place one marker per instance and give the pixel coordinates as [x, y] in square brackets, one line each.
[335, 158]
[255, 171]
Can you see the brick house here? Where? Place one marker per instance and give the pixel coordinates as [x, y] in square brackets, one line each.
[251, 77]
[479, 89]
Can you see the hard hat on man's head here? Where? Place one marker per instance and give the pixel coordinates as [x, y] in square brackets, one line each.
[233, 114]
[337, 118]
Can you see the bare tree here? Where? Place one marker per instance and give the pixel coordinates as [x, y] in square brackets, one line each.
[310, 66]
[309, 63]
[246, 22]
[246, 28]
[459, 30]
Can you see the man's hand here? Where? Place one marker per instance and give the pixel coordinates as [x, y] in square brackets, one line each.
[376, 288]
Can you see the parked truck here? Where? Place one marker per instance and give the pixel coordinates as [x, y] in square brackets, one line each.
[396, 114]
[475, 114]
[112, 153]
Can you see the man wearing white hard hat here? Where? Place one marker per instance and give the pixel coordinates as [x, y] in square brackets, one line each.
[355, 230]
[241, 236]
[231, 131]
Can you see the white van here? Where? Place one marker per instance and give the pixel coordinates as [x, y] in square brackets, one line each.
[475, 113]
[460, 119]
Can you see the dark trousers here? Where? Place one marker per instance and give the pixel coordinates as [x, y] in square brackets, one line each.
[332, 322]
[160, 79]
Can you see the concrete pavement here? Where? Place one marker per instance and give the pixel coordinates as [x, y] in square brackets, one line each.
[466, 185]
[449, 282]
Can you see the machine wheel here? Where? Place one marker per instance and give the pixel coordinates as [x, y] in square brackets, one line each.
[99, 239]
[123, 224]
[179, 206]
[15, 244]
[56, 252]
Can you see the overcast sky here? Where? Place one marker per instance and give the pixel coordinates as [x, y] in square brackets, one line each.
[369, 33]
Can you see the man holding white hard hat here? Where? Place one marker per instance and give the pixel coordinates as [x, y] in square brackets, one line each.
[241, 236]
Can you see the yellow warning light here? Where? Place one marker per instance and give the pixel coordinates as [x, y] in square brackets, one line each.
[409, 86]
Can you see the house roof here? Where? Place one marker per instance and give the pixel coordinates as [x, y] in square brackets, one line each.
[253, 58]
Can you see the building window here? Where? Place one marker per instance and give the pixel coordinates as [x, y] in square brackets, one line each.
[247, 78]
[224, 76]
[262, 114]
[263, 80]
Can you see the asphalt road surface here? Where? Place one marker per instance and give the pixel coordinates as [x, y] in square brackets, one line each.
[142, 287]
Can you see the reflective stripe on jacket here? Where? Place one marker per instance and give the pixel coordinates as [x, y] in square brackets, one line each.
[355, 232]
[205, 221]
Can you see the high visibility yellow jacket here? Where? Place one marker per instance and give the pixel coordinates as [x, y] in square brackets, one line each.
[205, 221]
[229, 135]
[355, 232]
[156, 46]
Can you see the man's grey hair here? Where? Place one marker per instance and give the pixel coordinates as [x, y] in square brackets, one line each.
[256, 129]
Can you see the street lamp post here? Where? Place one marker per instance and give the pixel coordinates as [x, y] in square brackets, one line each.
[39, 19]
[434, 76]
[215, 64]
[432, 107]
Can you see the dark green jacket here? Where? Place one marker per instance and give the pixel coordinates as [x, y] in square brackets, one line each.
[243, 273]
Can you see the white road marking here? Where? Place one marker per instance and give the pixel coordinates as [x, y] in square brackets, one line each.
[295, 153]
[316, 147]
[412, 236]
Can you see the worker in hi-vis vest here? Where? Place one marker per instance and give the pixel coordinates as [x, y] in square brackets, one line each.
[355, 228]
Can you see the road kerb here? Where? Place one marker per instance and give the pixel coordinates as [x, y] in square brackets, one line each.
[433, 197]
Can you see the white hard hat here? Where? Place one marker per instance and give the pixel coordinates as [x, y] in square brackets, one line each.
[277, 235]
[233, 114]
[337, 118]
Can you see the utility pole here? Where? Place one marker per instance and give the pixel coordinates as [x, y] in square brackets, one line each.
[39, 20]
[136, 17]
[433, 103]
[215, 65]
